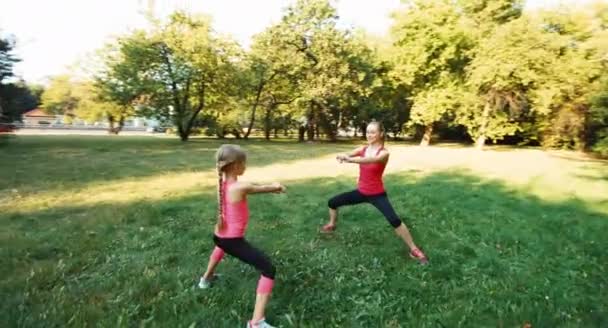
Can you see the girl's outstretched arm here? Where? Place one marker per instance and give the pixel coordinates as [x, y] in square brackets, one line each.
[256, 188]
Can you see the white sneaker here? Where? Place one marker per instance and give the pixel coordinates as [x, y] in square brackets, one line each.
[260, 324]
[204, 284]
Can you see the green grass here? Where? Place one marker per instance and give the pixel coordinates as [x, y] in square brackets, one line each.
[111, 231]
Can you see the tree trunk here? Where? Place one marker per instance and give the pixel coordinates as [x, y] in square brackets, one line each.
[184, 126]
[111, 124]
[183, 135]
[267, 123]
[330, 130]
[181, 130]
[301, 133]
[428, 133]
[363, 131]
[481, 139]
[480, 142]
[267, 133]
[255, 106]
[220, 132]
[236, 133]
[310, 131]
[115, 126]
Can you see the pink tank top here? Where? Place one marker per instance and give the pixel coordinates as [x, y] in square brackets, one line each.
[236, 216]
[370, 176]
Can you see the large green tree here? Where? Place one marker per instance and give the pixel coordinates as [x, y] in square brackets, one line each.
[432, 48]
[509, 65]
[59, 97]
[569, 87]
[11, 94]
[331, 64]
[268, 77]
[181, 67]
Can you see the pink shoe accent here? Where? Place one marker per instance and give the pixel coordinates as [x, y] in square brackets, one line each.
[328, 228]
[417, 254]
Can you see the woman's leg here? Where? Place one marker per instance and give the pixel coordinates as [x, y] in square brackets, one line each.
[384, 205]
[347, 198]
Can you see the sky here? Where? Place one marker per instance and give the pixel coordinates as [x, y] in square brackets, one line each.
[55, 36]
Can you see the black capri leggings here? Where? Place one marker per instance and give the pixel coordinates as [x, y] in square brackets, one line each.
[380, 201]
[244, 251]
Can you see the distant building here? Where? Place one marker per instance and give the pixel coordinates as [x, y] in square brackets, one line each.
[37, 117]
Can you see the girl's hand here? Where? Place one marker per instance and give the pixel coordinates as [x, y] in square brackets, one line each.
[342, 158]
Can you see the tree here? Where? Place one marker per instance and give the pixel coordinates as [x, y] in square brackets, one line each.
[8, 92]
[508, 66]
[59, 97]
[432, 104]
[431, 50]
[183, 69]
[330, 64]
[269, 78]
[121, 85]
[96, 103]
[568, 88]
[17, 98]
[7, 58]
[598, 125]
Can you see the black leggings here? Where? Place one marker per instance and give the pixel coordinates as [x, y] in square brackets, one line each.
[380, 201]
[244, 251]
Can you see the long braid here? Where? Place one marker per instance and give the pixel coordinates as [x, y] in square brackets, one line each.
[220, 197]
[225, 156]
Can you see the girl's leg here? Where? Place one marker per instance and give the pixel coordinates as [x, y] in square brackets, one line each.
[244, 251]
[214, 260]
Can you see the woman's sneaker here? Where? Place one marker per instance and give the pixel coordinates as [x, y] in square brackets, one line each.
[328, 228]
[417, 254]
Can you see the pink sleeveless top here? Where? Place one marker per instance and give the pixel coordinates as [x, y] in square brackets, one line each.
[236, 216]
[370, 176]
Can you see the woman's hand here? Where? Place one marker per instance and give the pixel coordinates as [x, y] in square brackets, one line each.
[279, 188]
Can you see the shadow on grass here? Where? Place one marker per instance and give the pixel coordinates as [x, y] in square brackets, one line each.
[46, 163]
[593, 173]
[499, 257]
[578, 157]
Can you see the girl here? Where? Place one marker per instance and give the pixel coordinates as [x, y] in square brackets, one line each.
[233, 215]
[372, 160]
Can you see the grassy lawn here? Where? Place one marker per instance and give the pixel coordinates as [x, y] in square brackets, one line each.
[114, 231]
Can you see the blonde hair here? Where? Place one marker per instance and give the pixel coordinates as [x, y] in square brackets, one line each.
[225, 156]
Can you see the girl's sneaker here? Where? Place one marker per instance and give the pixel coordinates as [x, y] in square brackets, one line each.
[204, 283]
[260, 324]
